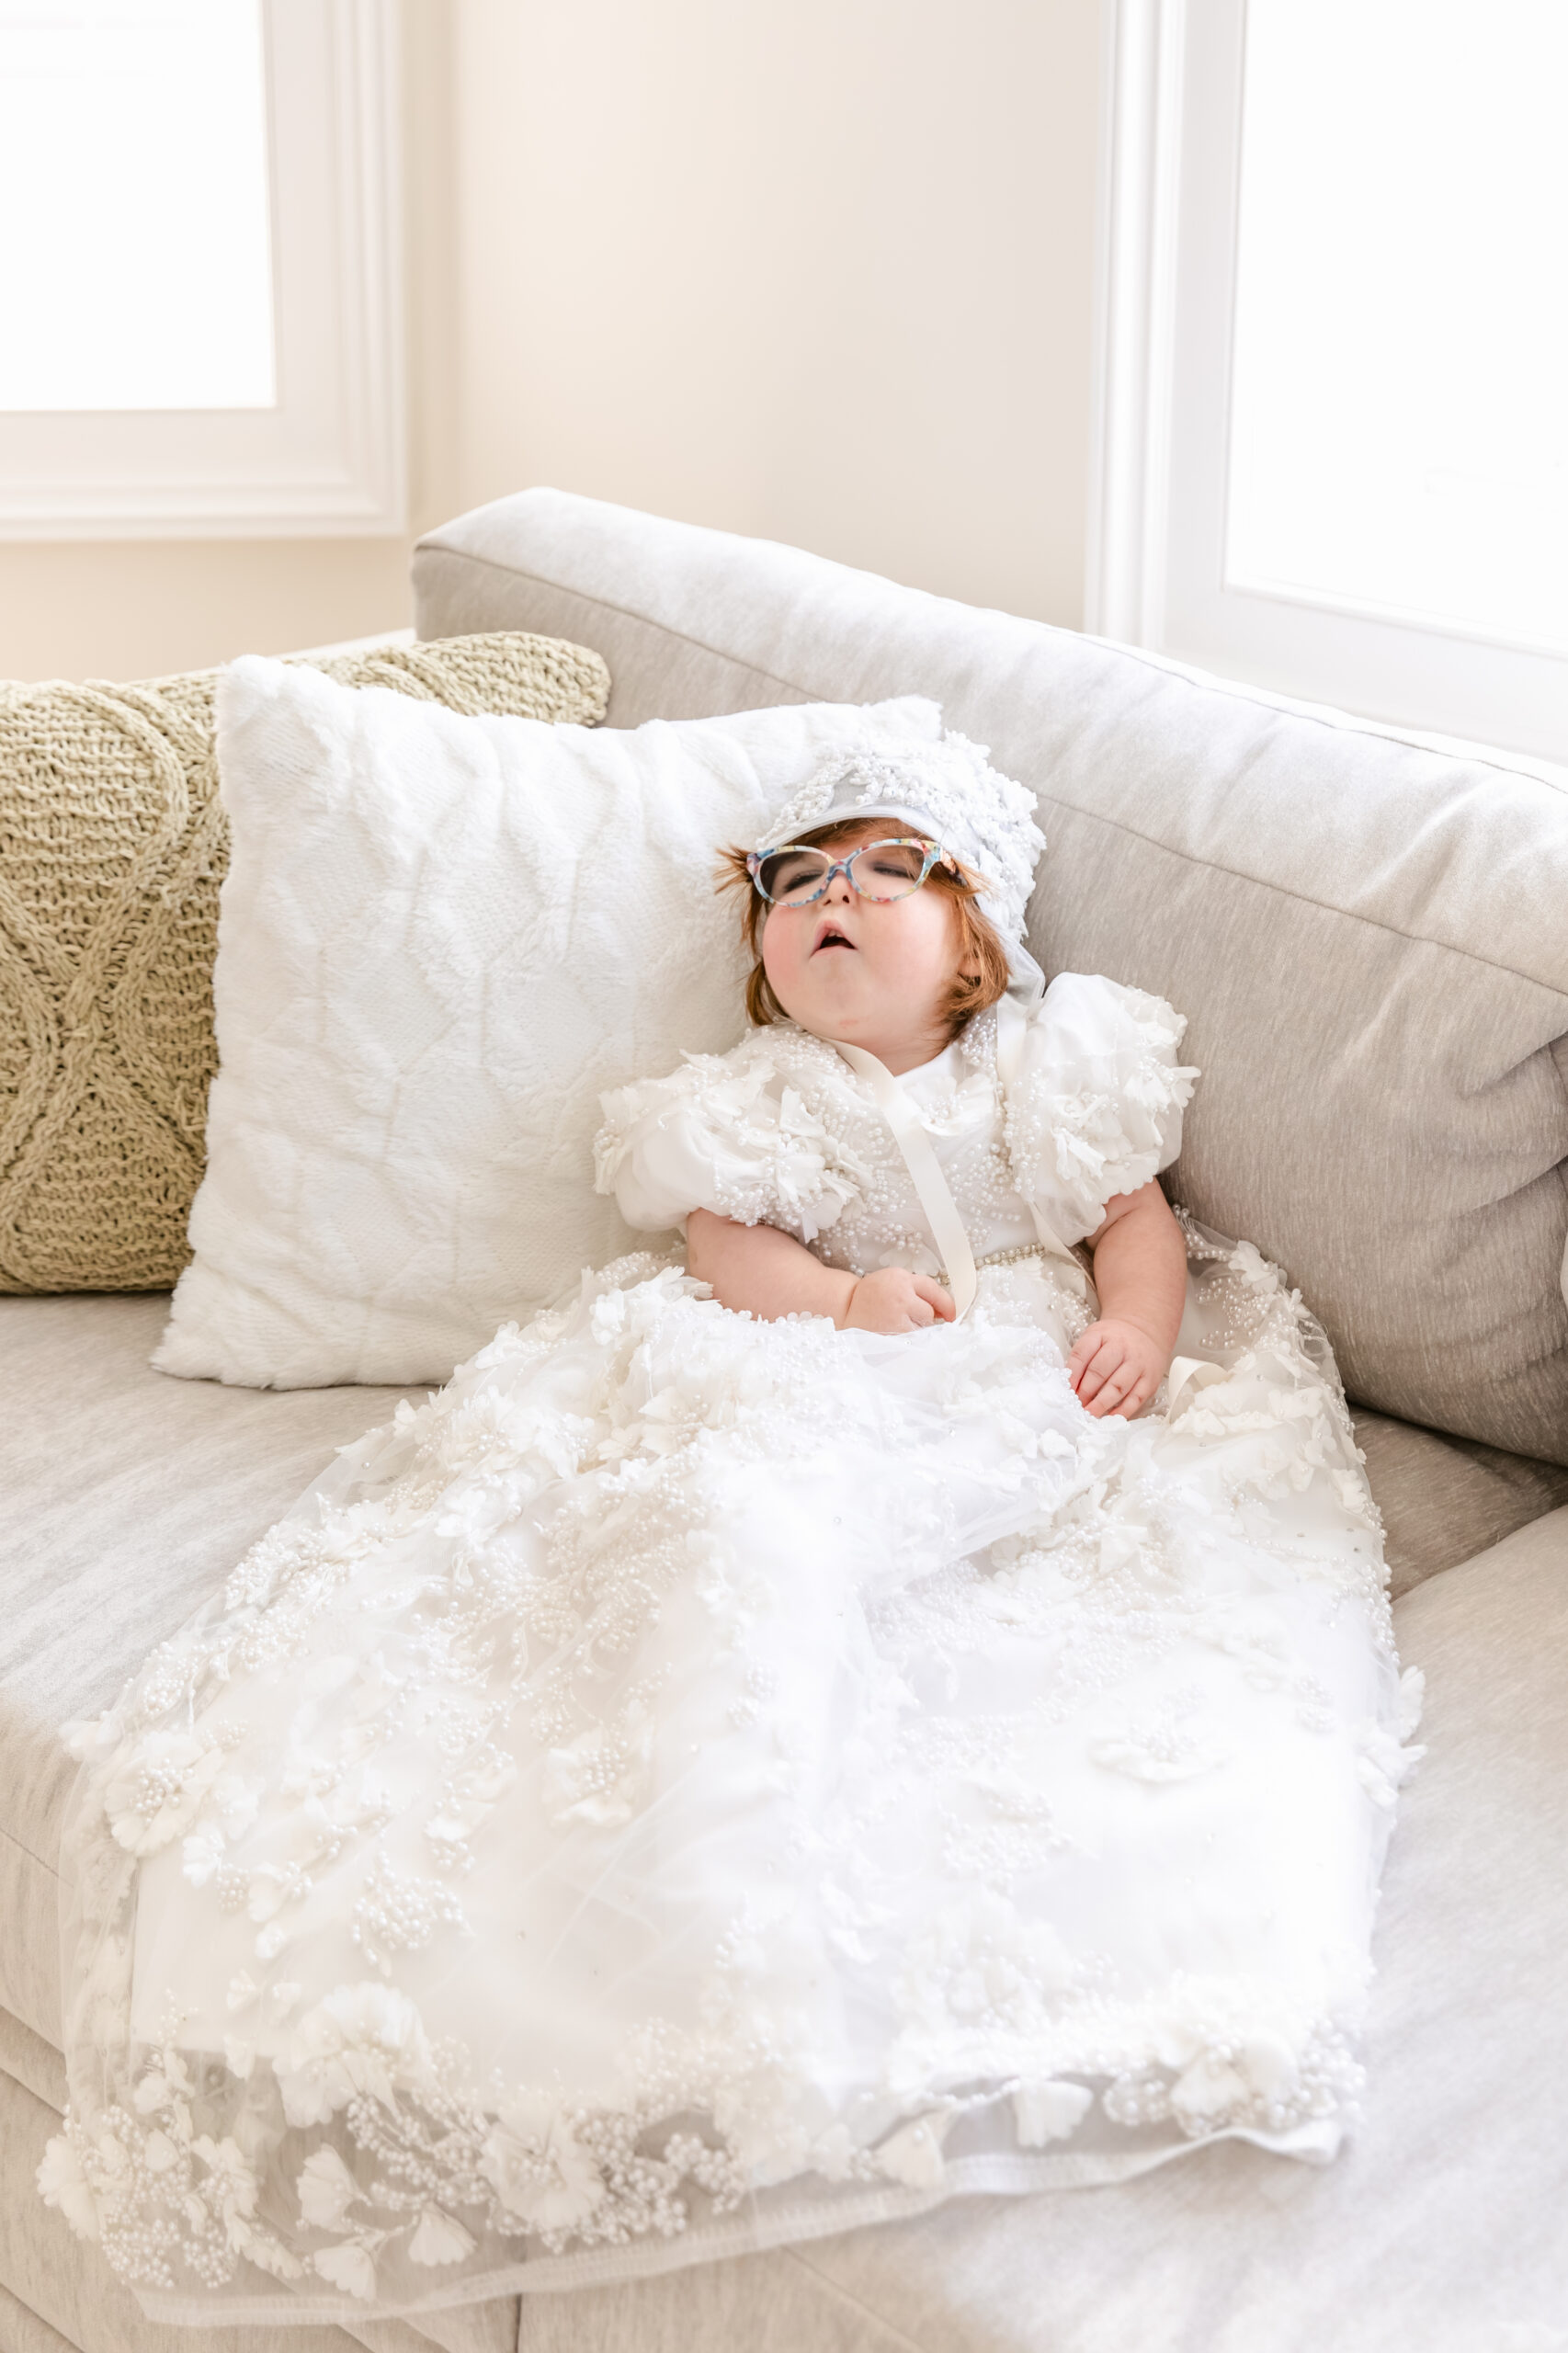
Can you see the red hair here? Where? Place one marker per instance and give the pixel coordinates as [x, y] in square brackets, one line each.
[979, 947]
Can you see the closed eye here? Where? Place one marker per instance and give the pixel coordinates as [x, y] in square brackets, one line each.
[893, 862]
[786, 876]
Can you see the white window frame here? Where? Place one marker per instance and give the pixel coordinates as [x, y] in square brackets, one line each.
[1170, 155]
[330, 457]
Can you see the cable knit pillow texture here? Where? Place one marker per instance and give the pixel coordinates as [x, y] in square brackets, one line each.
[441, 939]
[112, 844]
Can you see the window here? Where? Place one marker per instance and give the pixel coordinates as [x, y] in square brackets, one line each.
[203, 331]
[1334, 353]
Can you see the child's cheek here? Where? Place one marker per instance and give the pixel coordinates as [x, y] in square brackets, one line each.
[781, 958]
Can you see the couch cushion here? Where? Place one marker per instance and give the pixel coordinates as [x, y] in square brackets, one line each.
[1445, 1499]
[34, 2064]
[21, 2330]
[124, 1498]
[1366, 933]
[1441, 2226]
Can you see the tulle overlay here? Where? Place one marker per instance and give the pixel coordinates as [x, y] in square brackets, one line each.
[699, 1782]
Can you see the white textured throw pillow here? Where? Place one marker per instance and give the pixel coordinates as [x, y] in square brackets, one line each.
[439, 939]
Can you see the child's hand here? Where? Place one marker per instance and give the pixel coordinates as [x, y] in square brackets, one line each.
[1116, 1368]
[892, 1299]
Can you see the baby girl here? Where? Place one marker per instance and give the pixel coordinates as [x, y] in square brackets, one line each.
[787, 1737]
[877, 940]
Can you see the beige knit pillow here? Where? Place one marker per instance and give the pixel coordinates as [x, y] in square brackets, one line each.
[112, 845]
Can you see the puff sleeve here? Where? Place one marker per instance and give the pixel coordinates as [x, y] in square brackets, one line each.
[1096, 1107]
[724, 1132]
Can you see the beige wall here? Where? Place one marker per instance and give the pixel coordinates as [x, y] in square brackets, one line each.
[818, 271]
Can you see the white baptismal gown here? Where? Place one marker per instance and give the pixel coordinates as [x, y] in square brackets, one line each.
[700, 1781]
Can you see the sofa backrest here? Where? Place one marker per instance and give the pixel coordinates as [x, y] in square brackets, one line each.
[1367, 934]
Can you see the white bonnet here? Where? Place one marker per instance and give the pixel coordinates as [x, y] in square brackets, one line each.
[949, 792]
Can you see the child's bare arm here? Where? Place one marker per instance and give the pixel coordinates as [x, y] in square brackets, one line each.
[771, 1274]
[1140, 1275]
[758, 1267]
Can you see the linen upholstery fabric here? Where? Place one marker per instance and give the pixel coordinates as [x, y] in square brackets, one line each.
[124, 1499]
[21, 2329]
[1366, 932]
[1443, 1500]
[32, 2062]
[441, 937]
[112, 845]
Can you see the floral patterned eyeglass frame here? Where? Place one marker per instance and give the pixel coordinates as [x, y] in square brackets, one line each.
[932, 854]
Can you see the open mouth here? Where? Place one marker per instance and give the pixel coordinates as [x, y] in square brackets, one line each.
[831, 938]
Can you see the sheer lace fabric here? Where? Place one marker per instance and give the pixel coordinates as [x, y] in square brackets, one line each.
[699, 1782]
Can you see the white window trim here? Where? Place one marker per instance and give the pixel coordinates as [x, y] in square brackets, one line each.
[1158, 462]
[1140, 58]
[330, 459]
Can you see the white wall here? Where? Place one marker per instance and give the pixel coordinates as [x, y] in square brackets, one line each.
[814, 268]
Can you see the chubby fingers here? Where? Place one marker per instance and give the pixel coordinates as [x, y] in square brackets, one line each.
[1105, 1372]
[1114, 1379]
[1125, 1391]
[1093, 1360]
[933, 1298]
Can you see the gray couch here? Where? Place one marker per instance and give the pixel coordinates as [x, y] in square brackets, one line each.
[1370, 936]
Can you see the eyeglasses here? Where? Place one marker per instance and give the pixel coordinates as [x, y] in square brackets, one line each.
[795, 875]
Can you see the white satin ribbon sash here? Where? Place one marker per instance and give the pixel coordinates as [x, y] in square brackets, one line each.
[1188, 1374]
[931, 1186]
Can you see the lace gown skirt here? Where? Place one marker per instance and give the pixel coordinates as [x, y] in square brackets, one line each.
[699, 1782]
